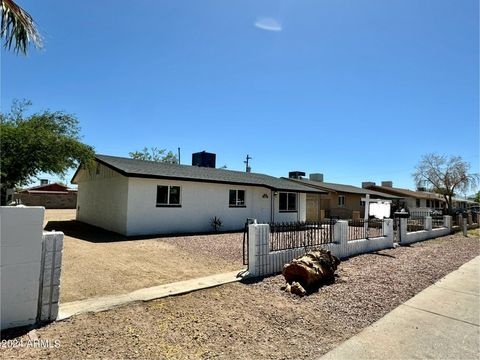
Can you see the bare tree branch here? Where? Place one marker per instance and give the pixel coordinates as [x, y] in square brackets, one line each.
[445, 175]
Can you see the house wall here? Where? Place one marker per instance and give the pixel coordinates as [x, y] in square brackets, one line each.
[200, 202]
[313, 207]
[329, 203]
[102, 199]
[352, 203]
[299, 215]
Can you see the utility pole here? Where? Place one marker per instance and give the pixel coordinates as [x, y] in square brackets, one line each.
[247, 166]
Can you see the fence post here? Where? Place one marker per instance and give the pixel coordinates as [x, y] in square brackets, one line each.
[469, 217]
[51, 266]
[464, 226]
[428, 223]
[403, 230]
[340, 232]
[460, 220]
[387, 226]
[258, 248]
[447, 222]
[340, 237]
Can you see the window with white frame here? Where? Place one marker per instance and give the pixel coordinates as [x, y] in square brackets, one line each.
[168, 195]
[341, 200]
[288, 201]
[236, 198]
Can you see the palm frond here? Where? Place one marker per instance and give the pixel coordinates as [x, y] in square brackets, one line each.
[18, 28]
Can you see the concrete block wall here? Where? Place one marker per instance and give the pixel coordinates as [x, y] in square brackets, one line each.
[20, 264]
[263, 262]
[347, 248]
[49, 201]
[49, 287]
[30, 267]
[427, 233]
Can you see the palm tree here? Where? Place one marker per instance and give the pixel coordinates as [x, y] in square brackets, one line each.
[17, 28]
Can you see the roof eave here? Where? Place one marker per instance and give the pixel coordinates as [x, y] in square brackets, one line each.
[152, 176]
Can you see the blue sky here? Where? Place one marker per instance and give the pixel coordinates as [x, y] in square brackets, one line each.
[357, 90]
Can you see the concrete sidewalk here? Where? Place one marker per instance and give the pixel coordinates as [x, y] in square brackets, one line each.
[441, 322]
[156, 292]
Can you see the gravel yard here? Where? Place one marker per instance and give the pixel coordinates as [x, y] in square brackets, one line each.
[98, 263]
[258, 320]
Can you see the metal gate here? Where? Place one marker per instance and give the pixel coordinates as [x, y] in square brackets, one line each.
[245, 240]
[396, 230]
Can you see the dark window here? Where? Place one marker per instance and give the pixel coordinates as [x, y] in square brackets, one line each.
[168, 195]
[341, 200]
[174, 195]
[417, 202]
[162, 195]
[241, 197]
[428, 203]
[288, 202]
[283, 201]
[292, 201]
[236, 198]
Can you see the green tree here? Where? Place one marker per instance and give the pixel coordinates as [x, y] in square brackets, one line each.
[155, 154]
[17, 28]
[445, 175]
[477, 197]
[46, 142]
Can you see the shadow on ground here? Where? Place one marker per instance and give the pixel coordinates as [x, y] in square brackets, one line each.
[84, 231]
[94, 234]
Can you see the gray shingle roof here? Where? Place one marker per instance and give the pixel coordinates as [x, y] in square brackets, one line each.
[344, 188]
[157, 170]
[407, 192]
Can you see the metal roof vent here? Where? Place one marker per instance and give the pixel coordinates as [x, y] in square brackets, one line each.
[296, 174]
[204, 159]
[367, 184]
[316, 177]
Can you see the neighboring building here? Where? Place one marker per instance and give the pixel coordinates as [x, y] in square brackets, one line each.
[464, 204]
[415, 201]
[51, 196]
[135, 197]
[340, 201]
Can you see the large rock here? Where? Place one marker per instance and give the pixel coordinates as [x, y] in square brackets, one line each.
[310, 271]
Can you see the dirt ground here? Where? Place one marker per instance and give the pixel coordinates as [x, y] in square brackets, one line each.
[58, 215]
[256, 320]
[97, 262]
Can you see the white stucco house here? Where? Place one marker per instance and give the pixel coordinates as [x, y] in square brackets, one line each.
[136, 197]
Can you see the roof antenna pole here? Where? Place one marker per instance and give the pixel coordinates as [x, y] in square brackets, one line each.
[179, 156]
[247, 166]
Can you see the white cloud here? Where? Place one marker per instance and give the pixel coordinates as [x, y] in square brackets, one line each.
[268, 24]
